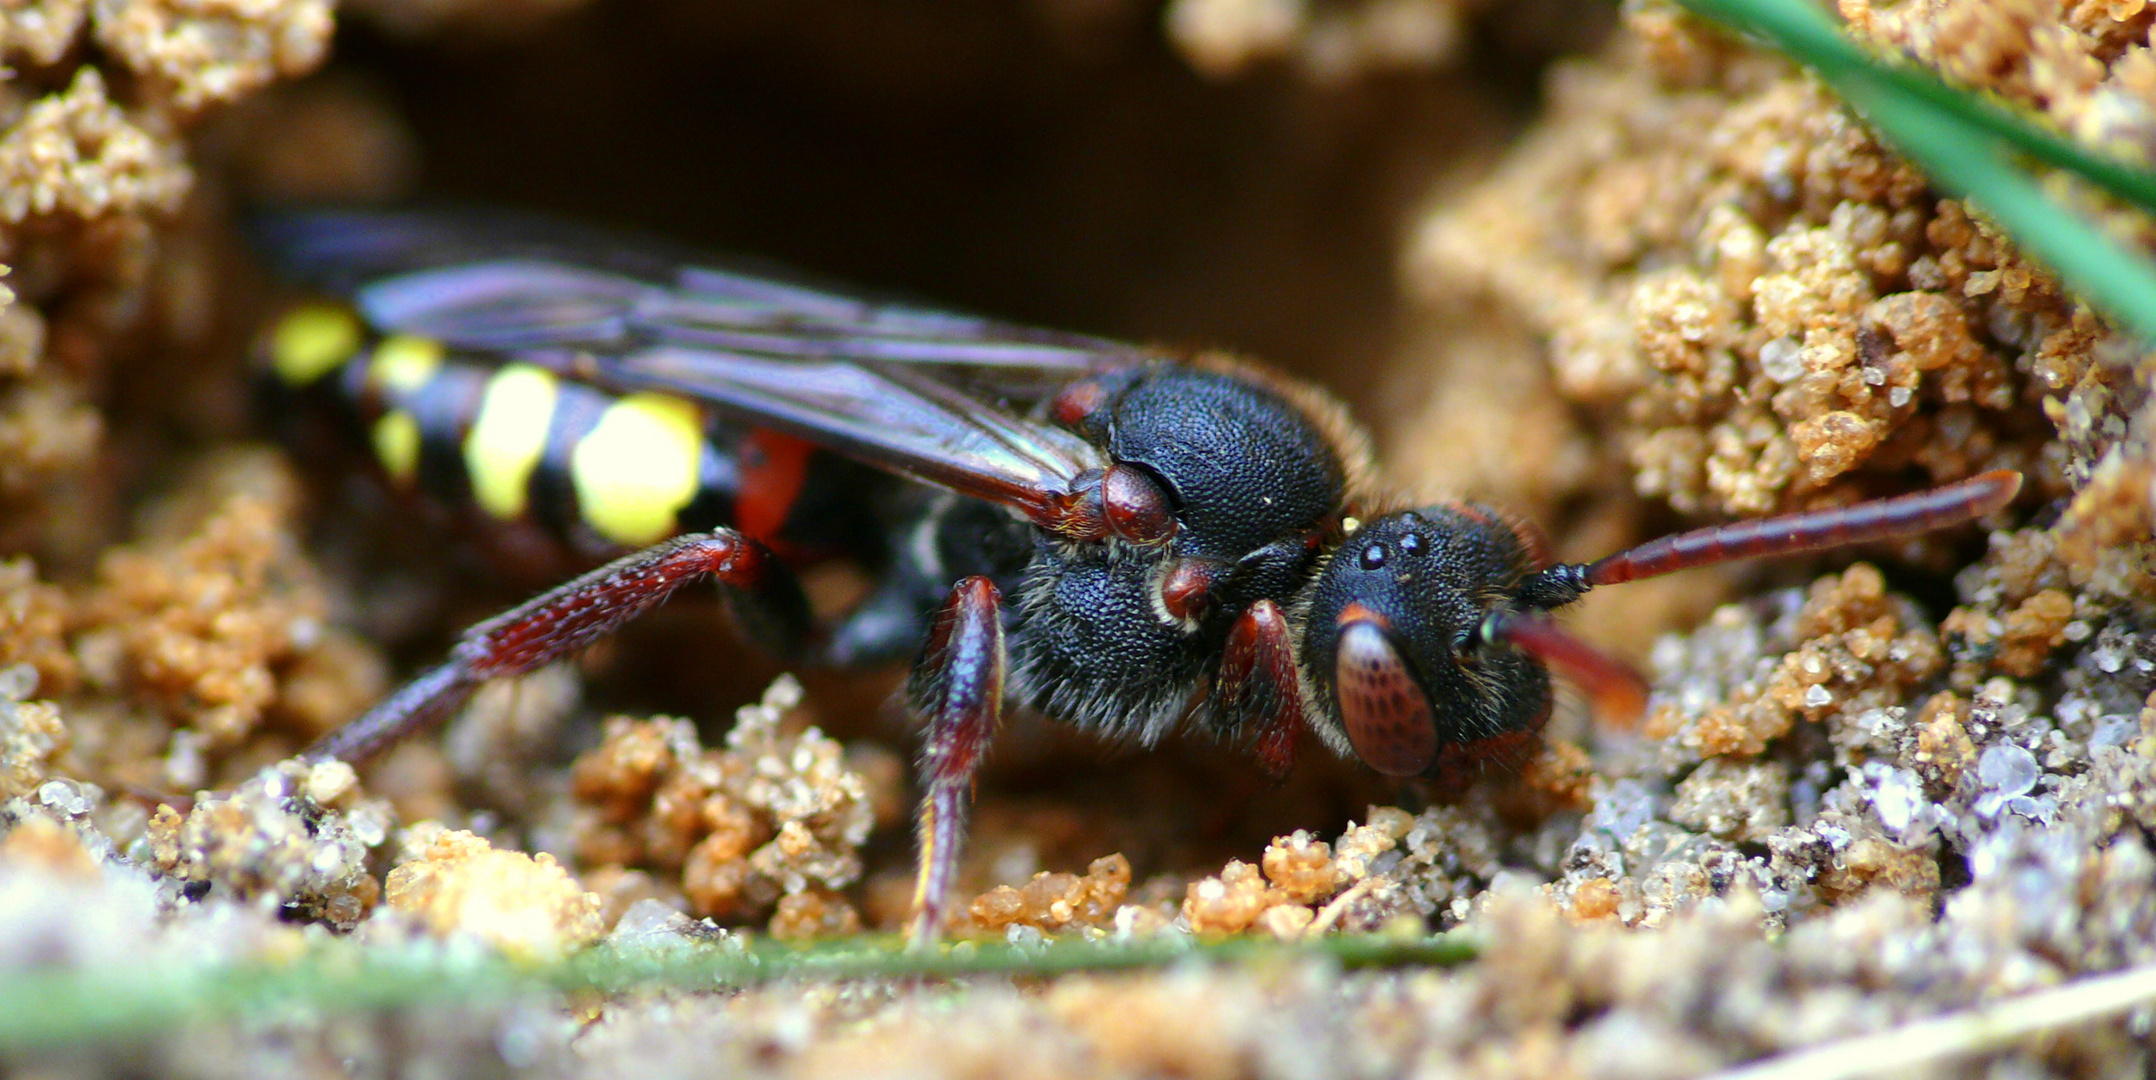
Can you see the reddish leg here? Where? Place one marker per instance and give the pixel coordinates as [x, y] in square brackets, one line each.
[957, 686]
[1257, 686]
[562, 621]
[1618, 693]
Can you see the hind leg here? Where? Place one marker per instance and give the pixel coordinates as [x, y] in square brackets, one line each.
[564, 620]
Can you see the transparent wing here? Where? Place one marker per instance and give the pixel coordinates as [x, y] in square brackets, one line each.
[924, 393]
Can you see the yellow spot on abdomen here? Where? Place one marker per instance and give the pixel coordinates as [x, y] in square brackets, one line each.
[396, 445]
[508, 438]
[311, 340]
[403, 363]
[638, 467]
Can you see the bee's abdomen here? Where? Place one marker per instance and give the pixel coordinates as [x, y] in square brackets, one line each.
[524, 443]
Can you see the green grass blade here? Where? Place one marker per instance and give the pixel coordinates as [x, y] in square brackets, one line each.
[1807, 35]
[72, 1007]
[2116, 281]
[1963, 153]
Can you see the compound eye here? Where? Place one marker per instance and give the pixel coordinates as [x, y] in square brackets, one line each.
[1388, 718]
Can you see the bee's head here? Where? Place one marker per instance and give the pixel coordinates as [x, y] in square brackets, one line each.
[1398, 641]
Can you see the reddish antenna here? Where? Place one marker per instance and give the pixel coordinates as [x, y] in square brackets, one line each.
[1617, 691]
[1816, 530]
[1788, 534]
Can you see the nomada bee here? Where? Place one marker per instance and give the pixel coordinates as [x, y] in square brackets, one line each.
[1121, 539]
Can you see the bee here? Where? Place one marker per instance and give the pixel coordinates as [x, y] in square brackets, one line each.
[1118, 538]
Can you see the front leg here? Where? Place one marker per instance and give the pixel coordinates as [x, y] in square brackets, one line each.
[957, 686]
[1258, 687]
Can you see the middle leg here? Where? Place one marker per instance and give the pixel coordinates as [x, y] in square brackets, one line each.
[958, 687]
